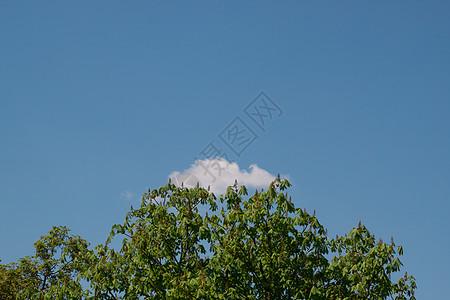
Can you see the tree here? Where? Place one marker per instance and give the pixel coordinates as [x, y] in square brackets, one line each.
[180, 245]
[51, 273]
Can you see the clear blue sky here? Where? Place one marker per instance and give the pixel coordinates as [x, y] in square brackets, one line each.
[101, 100]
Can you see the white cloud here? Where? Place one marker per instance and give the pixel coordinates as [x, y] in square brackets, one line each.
[127, 195]
[219, 174]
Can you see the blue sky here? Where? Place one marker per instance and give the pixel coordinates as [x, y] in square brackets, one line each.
[100, 101]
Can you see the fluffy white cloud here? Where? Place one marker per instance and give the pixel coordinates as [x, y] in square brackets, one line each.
[219, 174]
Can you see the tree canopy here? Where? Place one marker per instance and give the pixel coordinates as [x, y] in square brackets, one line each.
[186, 243]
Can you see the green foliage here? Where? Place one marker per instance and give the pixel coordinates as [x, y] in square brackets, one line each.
[51, 273]
[180, 245]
